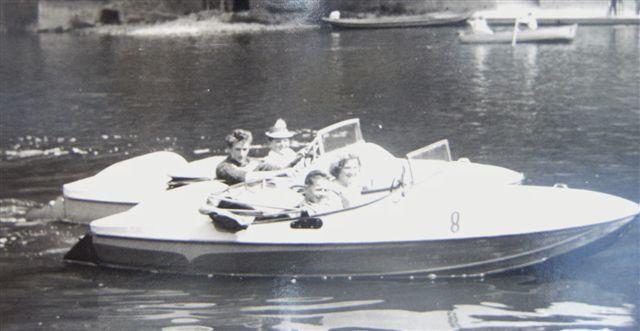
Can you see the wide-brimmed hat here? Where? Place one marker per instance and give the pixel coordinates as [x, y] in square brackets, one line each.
[279, 130]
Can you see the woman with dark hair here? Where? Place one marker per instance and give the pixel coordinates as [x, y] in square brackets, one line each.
[348, 180]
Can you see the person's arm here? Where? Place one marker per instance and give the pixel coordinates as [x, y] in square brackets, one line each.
[260, 175]
[230, 173]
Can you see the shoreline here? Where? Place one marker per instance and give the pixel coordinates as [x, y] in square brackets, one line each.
[218, 23]
[192, 26]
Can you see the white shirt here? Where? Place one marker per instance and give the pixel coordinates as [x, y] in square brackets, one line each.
[275, 160]
[530, 21]
[480, 26]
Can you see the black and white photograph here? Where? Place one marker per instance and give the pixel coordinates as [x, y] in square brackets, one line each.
[210, 165]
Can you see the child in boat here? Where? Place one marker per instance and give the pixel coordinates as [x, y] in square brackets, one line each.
[319, 197]
[348, 180]
[237, 168]
[530, 21]
[280, 155]
[479, 25]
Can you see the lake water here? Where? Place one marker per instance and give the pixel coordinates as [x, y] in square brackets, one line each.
[71, 105]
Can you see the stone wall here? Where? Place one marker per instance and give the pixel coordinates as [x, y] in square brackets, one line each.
[60, 15]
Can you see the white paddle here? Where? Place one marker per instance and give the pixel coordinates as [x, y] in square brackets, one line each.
[515, 33]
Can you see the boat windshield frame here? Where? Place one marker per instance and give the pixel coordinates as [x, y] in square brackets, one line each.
[438, 150]
[337, 130]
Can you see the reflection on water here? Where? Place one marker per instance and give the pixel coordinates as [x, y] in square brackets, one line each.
[122, 300]
[71, 105]
[485, 315]
[406, 305]
[531, 69]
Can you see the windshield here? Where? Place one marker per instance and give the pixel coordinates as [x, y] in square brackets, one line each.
[340, 135]
[333, 137]
[436, 151]
[425, 162]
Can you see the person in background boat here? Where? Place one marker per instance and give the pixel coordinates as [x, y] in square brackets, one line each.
[319, 196]
[280, 156]
[479, 25]
[237, 168]
[613, 7]
[347, 180]
[530, 21]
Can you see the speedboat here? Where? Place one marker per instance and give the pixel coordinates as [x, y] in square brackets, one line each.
[565, 33]
[125, 184]
[417, 217]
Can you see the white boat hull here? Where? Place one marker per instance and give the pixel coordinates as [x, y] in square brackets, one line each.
[420, 233]
[551, 34]
[471, 257]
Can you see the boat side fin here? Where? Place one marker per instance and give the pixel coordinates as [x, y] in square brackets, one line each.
[82, 252]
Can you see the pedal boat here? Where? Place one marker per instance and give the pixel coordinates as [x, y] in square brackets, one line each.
[125, 184]
[559, 34]
[415, 219]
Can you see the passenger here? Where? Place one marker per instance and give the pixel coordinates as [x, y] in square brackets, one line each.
[530, 21]
[613, 8]
[319, 197]
[479, 25]
[236, 168]
[348, 180]
[280, 155]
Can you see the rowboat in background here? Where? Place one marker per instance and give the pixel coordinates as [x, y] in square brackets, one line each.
[541, 35]
[430, 19]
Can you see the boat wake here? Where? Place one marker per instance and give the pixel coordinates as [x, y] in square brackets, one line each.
[189, 26]
[45, 147]
[15, 210]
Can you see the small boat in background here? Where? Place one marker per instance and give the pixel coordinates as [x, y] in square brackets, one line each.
[430, 19]
[541, 35]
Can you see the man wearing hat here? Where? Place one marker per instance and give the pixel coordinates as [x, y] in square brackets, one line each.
[280, 155]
